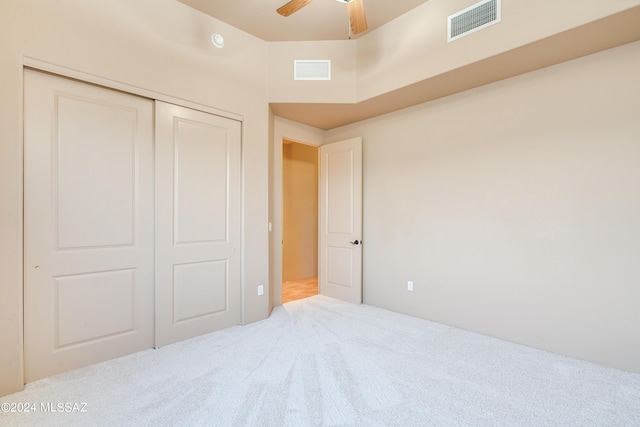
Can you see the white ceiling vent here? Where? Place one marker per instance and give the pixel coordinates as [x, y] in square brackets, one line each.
[473, 18]
[312, 69]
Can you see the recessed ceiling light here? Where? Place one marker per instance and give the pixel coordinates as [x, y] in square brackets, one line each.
[344, 1]
[217, 40]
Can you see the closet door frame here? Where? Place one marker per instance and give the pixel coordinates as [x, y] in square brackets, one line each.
[30, 63]
[62, 71]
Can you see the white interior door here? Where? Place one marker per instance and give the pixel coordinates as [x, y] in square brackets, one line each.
[198, 283]
[88, 239]
[340, 266]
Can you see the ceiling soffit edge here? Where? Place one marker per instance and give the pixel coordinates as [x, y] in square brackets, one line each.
[596, 36]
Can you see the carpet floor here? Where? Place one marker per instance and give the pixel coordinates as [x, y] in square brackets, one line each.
[324, 362]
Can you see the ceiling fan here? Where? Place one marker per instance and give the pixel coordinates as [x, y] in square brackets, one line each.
[355, 9]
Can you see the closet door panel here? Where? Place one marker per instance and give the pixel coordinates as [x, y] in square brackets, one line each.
[89, 245]
[198, 288]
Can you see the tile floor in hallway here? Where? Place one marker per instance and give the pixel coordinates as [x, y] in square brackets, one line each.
[297, 289]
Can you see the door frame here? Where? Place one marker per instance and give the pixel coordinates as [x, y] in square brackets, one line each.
[302, 134]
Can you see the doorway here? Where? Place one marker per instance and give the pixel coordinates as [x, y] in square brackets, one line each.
[299, 221]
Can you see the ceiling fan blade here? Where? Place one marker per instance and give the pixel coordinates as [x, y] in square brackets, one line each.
[292, 7]
[357, 19]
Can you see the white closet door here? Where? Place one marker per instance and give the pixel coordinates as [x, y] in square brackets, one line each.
[198, 283]
[88, 229]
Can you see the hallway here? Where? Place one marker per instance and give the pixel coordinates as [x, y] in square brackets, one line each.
[298, 289]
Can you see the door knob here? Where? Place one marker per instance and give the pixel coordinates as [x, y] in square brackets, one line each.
[355, 242]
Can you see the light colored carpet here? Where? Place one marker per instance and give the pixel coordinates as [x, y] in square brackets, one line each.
[320, 361]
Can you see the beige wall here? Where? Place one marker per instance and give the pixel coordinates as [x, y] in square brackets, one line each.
[342, 86]
[156, 45]
[514, 208]
[299, 211]
[414, 47]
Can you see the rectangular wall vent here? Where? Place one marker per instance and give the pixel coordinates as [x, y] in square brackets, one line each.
[312, 69]
[473, 18]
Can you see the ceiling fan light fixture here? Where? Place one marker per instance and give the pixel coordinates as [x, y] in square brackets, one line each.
[355, 10]
[217, 40]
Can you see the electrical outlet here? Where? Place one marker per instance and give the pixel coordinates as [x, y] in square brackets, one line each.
[260, 290]
[410, 285]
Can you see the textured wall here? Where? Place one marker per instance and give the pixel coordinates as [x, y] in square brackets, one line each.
[514, 208]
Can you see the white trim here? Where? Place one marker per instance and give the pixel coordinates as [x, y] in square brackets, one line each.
[40, 65]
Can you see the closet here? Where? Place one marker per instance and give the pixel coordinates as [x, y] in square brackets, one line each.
[131, 223]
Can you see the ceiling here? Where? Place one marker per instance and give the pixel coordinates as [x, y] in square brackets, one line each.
[319, 20]
[328, 20]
